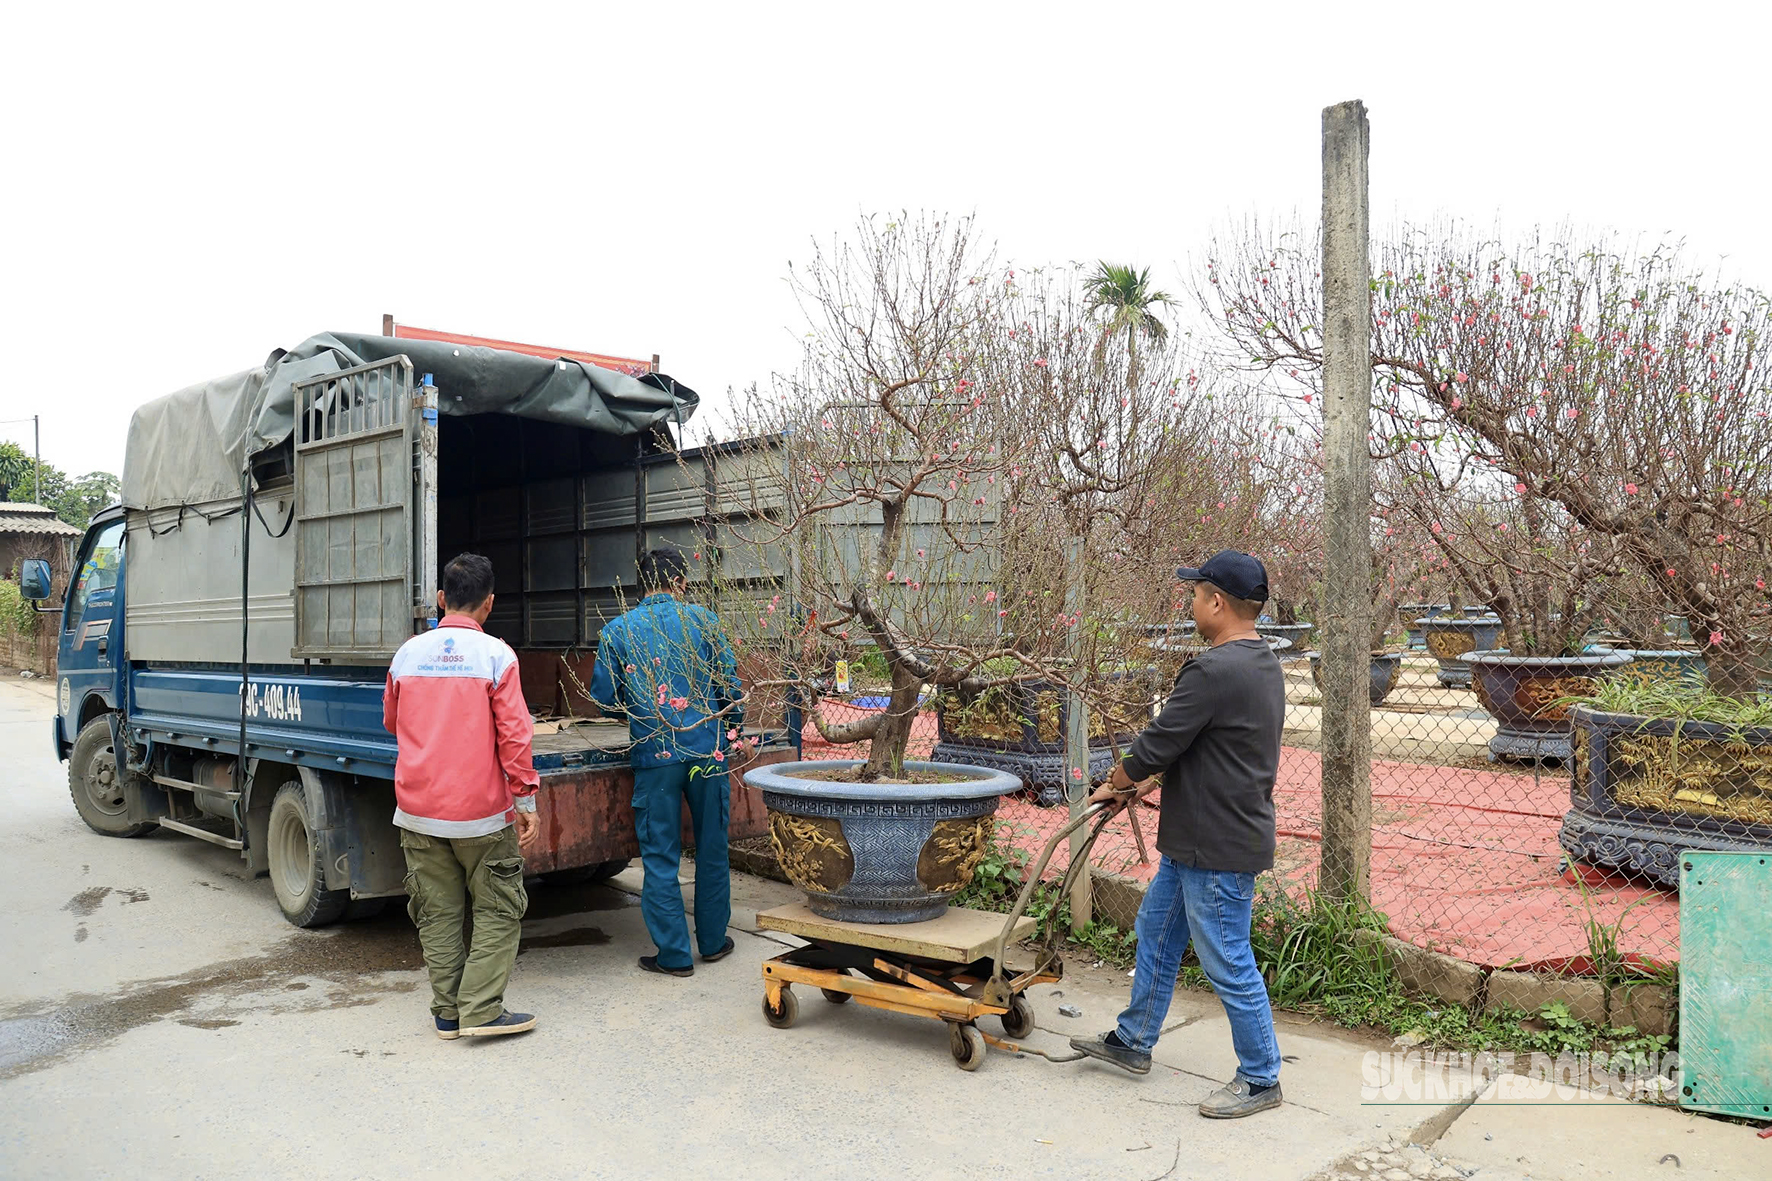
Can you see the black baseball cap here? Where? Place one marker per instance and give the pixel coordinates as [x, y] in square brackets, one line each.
[1233, 572]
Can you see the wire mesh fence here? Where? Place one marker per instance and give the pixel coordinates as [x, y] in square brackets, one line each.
[1471, 833]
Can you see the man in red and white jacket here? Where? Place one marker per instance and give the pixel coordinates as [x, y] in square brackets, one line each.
[463, 778]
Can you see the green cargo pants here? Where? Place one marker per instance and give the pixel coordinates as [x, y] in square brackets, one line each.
[443, 876]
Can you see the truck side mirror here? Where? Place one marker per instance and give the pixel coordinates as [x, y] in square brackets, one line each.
[33, 580]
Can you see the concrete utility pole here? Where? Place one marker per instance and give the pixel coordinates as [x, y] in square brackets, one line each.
[1076, 743]
[37, 456]
[1347, 506]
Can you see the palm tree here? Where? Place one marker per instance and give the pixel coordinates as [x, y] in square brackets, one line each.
[1123, 298]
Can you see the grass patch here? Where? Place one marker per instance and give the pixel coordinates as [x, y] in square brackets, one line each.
[1308, 953]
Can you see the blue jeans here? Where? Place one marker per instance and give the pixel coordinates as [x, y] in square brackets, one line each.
[659, 794]
[1213, 907]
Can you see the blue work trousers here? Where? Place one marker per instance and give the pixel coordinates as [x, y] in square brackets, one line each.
[659, 795]
[1212, 907]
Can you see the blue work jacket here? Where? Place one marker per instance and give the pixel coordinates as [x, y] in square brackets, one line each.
[667, 667]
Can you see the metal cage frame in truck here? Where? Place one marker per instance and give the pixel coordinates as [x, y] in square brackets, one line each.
[279, 537]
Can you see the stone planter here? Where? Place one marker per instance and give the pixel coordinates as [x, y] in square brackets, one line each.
[1386, 667]
[1413, 613]
[1523, 694]
[1477, 612]
[879, 852]
[1022, 734]
[1643, 789]
[1449, 639]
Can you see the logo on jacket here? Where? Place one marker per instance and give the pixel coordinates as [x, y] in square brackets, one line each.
[450, 655]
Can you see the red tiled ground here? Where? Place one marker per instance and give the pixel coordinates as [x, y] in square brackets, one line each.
[1463, 860]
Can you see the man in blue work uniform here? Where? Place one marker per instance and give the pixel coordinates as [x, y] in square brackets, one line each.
[666, 665]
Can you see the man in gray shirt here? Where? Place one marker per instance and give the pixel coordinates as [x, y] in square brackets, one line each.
[1216, 744]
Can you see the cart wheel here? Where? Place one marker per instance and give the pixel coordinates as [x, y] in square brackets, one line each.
[1018, 1022]
[783, 1017]
[834, 996]
[965, 1044]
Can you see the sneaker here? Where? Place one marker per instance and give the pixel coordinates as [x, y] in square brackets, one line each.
[1239, 1098]
[448, 1028]
[505, 1022]
[1125, 1057]
[651, 964]
[725, 950]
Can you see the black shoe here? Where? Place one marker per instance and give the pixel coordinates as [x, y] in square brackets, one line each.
[725, 950]
[1124, 1057]
[651, 964]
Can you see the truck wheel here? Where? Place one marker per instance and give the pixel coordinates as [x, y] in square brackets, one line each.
[578, 875]
[297, 875]
[95, 781]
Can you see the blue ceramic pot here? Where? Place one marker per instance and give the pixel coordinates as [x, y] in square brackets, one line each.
[1386, 667]
[1449, 639]
[1527, 696]
[879, 852]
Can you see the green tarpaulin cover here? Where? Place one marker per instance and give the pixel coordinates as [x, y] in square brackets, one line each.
[190, 447]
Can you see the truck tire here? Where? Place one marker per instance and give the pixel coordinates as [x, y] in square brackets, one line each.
[95, 781]
[298, 876]
[580, 874]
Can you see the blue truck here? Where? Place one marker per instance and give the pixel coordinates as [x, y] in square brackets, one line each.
[226, 633]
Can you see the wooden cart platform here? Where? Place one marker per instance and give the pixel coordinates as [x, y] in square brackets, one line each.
[934, 969]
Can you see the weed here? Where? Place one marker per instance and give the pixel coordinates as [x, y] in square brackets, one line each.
[1315, 960]
[17, 617]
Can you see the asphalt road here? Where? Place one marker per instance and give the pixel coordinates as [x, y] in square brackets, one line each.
[158, 1018]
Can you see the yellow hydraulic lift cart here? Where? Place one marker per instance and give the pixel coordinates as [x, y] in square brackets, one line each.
[952, 968]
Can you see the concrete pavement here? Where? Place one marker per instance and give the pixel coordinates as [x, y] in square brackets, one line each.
[159, 1019]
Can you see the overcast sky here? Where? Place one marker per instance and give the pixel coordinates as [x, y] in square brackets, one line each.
[188, 189]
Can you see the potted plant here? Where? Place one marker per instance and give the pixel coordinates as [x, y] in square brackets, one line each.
[1020, 728]
[1412, 615]
[1663, 766]
[1633, 623]
[1546, 580]
[1387, 663]
[1390, 576]
[983, 481]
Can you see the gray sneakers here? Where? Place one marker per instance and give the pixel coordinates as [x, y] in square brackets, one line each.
[1234, 1101]
[1099, 1047]
[1231, 1101]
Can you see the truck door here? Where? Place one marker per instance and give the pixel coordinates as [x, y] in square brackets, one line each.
[90, 640]
[365, 512]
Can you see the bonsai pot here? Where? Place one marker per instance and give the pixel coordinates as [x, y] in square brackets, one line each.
[1384, 670]
[1292, 633]
[879, 852]
[1021, 732]
[1413, 614]
[1644, 789]
[1477, 612]
[1663, 664]
[1524, 695]
[1448, 640]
